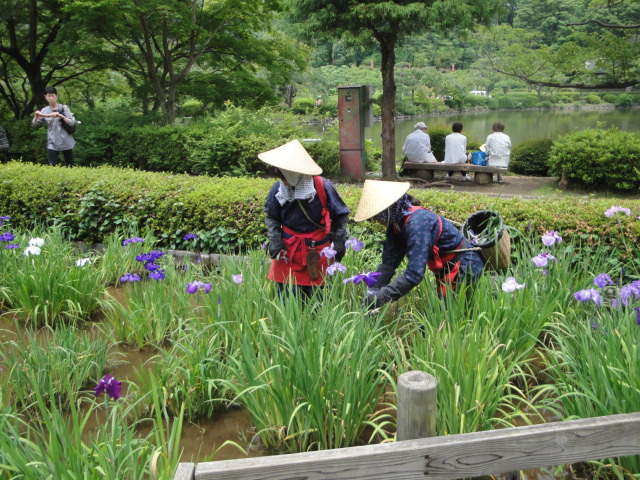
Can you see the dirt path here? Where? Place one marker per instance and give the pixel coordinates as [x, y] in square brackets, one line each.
[513, 186]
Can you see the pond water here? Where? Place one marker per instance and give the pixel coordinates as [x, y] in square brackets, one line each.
[519, 125]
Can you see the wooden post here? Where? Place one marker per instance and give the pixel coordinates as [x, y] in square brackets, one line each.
[417, 397]
[185, 471]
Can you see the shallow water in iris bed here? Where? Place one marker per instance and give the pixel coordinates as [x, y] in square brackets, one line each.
[199, 440]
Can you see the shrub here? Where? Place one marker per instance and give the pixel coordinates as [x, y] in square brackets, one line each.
[624, 100]
[437, 136]
[531, 157]
[302, 106]
[598, 158]
[593, 99]
[228, 212]
[610, 98]
[227, 144]
[516, 101]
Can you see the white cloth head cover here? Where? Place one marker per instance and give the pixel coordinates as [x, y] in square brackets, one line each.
[301, 187]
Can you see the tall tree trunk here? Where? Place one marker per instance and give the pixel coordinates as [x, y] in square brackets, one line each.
[387, 42]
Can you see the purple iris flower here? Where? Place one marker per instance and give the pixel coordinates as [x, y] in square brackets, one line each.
[190, 236]
[157, 275]
[130, 277]
[542, 260]
[109, 385]
[237, 279]
[354, 244]
[637, 309]
[369, 278]
[589, 294]
[594, 325]
[151, 267]
[633, 289]
[193, 287]
[336, 267]
[328, 252]
[609, 212]
[150, 257]
[551, 237]
[602, 280]
[127, 241]
[12, 245]
[6, 237]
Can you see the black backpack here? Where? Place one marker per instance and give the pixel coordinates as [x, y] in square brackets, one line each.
[71, 129]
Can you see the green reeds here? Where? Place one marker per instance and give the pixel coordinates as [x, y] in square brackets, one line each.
[50, 287]
[86, 438]
[595, 367]
[310, 375]
[151, 311]
[58, 360]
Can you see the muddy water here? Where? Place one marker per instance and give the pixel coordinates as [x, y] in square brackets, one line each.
[199, 441]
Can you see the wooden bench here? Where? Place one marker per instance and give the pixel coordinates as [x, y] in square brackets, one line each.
[482, 175]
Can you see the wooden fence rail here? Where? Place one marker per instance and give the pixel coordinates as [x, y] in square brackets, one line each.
[446, 457]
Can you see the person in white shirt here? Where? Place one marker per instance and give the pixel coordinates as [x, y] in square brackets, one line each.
[498, 148]
[455, 150]
[417, 146]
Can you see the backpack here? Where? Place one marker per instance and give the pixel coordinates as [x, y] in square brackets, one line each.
[71, 129]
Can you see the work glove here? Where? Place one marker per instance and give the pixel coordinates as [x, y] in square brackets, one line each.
[377, 297]
[339, 236]
[274, 230]
[386, 274]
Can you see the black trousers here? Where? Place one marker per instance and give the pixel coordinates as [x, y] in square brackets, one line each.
[53, 155]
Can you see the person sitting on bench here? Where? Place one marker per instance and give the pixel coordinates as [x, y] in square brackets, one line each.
[455, 150]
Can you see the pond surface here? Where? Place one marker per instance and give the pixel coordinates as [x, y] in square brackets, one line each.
[519, 125]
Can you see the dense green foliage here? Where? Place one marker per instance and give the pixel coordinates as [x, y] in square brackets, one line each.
[531, 157]
[227, 144]
[312, 374]
[88, 204]
[598, 158]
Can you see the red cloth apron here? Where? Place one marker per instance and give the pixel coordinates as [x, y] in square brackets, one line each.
[440, 264]
[294, 268]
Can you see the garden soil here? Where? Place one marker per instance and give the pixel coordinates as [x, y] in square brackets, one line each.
[513, 186]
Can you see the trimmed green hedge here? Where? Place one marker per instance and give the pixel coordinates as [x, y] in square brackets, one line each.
[90, 203]
[598, 158]
[531, 157]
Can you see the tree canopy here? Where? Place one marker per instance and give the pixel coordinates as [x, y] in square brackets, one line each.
[575, 44]
[387, 23]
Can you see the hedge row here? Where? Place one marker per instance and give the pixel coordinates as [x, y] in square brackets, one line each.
[227, 213]
[598, 158]
[224, 145]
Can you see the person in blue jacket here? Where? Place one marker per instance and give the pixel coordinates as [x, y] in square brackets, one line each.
[425, 238]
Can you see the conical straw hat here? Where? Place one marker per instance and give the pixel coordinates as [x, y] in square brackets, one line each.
[378, 195]
[291, 156]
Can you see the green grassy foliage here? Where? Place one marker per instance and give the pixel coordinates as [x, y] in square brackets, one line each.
[320, 373]
[599, 158]
[50, 287]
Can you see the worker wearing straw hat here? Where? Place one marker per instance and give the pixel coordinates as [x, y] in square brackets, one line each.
[304, 214]
[425, 238]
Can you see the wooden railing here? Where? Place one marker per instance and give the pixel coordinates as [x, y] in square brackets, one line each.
[447, 457]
